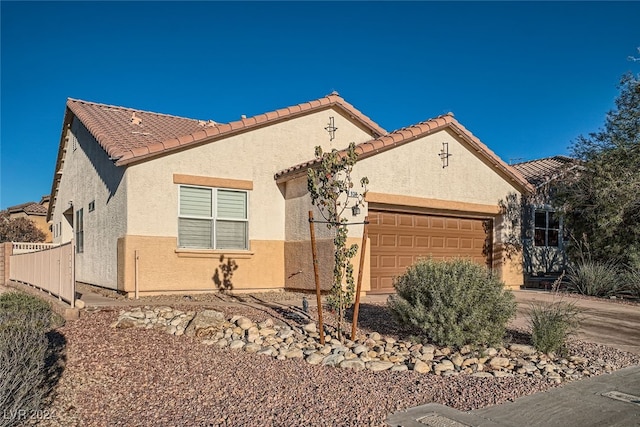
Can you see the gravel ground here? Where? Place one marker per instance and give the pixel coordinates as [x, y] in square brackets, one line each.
[123, 377]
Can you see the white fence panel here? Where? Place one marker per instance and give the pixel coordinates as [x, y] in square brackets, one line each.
[51, 270]
[26, 247]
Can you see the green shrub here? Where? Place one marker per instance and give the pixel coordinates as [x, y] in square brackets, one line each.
[24, 322]
[597, 279]
[453, 303]
[632, 283]
[552, 324]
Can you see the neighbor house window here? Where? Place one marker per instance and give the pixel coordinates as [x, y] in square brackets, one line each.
[547, 228]
[79, 231]
[92, 205]
[212, 218]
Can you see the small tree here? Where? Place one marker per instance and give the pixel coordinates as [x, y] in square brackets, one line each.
[330, 186]
[601, 199]
[19, 229]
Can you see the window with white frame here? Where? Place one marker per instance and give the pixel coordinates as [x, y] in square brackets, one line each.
[546, 228]
[212, 218]
[80, 231]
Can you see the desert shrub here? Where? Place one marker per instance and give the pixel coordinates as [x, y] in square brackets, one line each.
[632, 282]
[552, 324]
[597, 279]
[453, 303]
[24, 322]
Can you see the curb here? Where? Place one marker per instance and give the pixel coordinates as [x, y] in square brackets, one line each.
[436, 415]
[57, 306]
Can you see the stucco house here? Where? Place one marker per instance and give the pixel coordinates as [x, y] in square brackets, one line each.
[36, 212]
[161, 203]
[543, 242]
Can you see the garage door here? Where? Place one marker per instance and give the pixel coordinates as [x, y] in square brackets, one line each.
[399, 239]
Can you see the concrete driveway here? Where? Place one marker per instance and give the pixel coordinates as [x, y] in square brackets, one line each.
[604, 322]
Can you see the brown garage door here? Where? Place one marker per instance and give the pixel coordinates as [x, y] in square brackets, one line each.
[399, 239]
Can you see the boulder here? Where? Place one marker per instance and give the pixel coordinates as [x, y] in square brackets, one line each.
[421, 367]
[205, 323]
[353, 364]
[380, 366]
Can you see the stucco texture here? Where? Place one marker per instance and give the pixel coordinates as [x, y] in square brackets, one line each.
[162, 268]
[411, 178]
[89, 176]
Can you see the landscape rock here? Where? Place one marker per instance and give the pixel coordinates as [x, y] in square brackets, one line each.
[373, 352]
[204, 323]
[421, 367]
[380, 366]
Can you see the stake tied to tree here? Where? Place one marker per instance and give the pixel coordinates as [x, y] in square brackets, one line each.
[330, 186]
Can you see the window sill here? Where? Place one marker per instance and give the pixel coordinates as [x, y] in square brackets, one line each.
[213, 253]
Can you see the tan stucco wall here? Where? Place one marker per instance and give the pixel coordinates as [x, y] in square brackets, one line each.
[162, 268]
[39, 220]
[299, 264]
[411, 177]
[88, 175]
[252, 156]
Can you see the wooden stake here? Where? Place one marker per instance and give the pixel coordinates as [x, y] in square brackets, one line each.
[363, 251]
[316, 274]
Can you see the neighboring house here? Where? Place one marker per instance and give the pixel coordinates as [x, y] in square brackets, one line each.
[163, 203]
[544, 238]
[36, 212]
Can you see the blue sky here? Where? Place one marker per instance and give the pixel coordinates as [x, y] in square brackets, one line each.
[526, 78]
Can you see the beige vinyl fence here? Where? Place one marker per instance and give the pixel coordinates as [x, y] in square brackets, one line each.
[26, 247]
[51, 270]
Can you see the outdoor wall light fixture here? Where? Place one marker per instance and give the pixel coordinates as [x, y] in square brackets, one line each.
[444, 154]
[355, 210]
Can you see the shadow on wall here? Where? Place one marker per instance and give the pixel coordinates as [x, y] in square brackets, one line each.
[487, 247]
[110, 174]
[539, 260]
[223, 275]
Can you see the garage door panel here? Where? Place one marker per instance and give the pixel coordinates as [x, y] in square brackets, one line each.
[453, 243]
[437, 242]
[405, 241]
[421, 222]
[387, 219]
[437, 223]
[398, 240]
[422, 242]
[466, 243]
[466, 224]
[388, 261]
[386, 283]
[405, 261]
[388, 240]
[453, 224]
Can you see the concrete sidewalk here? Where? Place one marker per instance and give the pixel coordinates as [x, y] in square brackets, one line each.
[605, 400]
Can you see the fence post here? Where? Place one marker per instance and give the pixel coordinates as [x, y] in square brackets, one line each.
[73, 273]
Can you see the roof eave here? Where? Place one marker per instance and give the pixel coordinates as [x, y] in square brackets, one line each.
[506, 171]
[239, 127]
[57, 172]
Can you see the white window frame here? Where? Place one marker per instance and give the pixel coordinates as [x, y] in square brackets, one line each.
[548, 212]
[79, 230]
[214, 218]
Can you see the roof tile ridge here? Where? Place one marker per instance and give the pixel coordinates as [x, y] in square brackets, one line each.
[388, 139]
[137, 110]
[536, 160]
[335, 99]
[491, 154]
[103, 139]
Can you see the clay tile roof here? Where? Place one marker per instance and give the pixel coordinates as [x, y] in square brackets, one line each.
[411, 133]
[540, 171]
[125, 132]
[129, 135]
[30, 208]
